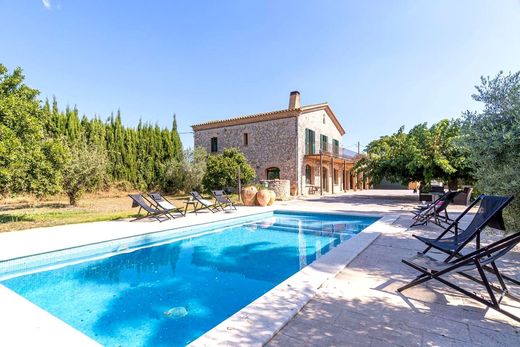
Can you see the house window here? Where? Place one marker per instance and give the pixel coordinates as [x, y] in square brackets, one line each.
[273, 173]
[246, 139]
[214, 145]
[324, 143]
[308, 174]
[335, 147]
[309, 141]
[336, 176]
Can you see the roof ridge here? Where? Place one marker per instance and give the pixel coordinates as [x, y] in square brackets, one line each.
[259, 114]
[247, 116]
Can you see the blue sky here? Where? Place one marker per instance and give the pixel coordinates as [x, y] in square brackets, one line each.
[380, 64]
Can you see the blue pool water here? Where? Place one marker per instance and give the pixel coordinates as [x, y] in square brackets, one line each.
[170, 294]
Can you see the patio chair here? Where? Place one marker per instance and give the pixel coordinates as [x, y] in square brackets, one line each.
[480, 259]
[436, 212]
[464, 197]
[424, 206]
[222, 200]
[489, 214]
[204, 204]
[165, 204]
[139, 200]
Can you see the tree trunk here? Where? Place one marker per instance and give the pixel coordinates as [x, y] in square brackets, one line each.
[72, 199]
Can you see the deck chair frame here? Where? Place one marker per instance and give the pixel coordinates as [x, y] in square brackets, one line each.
[478, 259]
[157, 197]
[436, 212]
[139, 200]
[454, 227]
[222, 200]
[199, 200]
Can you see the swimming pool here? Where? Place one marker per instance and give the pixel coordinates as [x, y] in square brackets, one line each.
[174, 290]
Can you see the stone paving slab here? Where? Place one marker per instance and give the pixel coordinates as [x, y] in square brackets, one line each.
[360, 306]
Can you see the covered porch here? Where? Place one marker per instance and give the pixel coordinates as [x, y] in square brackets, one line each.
[330, 173]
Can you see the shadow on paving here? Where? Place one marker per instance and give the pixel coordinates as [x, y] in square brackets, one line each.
[361, 306]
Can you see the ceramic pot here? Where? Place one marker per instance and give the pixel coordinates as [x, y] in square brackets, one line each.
[272, 199]
[248, 195]
[262, 197]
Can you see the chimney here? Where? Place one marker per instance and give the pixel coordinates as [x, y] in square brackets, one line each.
[294, 100]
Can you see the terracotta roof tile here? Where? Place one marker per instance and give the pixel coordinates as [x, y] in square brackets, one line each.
[266, 116]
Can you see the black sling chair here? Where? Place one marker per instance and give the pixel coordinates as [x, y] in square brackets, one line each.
[436, 211]
[479, 259]
[488, 214]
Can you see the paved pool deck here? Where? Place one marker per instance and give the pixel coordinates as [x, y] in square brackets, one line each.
[357, 307]
[360, 306]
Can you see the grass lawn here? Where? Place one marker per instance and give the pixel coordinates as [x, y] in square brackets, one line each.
[25, 212]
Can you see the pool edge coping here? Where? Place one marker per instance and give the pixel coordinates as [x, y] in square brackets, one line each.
[258, 322]
[295, 289]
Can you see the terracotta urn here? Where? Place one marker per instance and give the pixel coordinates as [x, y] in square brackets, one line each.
[262, 197]
[273, 197]
[294, 190]
[248, 195]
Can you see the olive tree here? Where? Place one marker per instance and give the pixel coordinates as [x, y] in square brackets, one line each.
[85, 169]
[492, 140]
[186, 174]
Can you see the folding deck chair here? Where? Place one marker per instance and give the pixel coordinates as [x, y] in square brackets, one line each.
[204, 204]
[222, 200]
[436, 211]
[165, 205]
[139, 200]
[422, 207]
[480, 259]
[488, 214]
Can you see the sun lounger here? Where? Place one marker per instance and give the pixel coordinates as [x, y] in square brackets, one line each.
[436, 212]
[164, 204]
[489, 214]
[479, 259]
[139, 200]
[204, 204]
[222, 200]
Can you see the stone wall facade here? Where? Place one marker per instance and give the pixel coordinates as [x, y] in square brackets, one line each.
[321, 124]
[271, 144]
[277, 140]
[282, 188]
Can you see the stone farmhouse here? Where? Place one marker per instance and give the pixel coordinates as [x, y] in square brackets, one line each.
[299, 143]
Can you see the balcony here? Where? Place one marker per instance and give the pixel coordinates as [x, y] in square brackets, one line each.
[329, 149]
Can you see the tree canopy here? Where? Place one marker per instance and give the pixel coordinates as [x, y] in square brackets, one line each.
[423, 154]
[492, 140]
[37, 139]
[222, 170]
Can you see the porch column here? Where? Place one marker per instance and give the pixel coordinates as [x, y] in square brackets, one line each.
[332, 172]
[321, 173]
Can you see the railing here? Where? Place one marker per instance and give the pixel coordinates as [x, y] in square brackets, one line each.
[331, 150]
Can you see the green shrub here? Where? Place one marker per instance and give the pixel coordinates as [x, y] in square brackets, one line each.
[222, 170]
[492, 139]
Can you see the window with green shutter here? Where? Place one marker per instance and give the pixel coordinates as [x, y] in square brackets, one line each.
[324, 146]
[335, 147]
[309, 141]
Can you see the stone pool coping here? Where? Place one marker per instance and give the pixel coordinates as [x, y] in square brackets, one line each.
[259, 321]
[42, 328]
